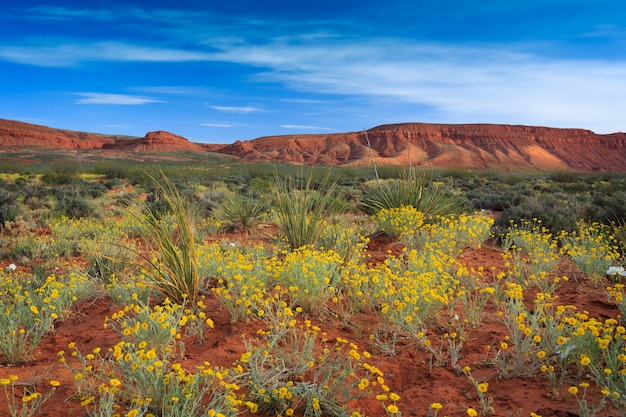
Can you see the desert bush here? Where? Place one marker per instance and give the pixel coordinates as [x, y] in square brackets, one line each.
[415, 190]
[312, 277]
[609, 206]
[9, 209]
[619, 231]
[172, 253]
[107, 259]
[26, 401]
[30, 309]
[75, 207]
[565, 176]
[345, 236]
[399, 221]
[93, 189]
[111, 170]
[593, 249]
[51, 178]
[146, 382]
[239, 212]
[286, 371]
[302, 210]
[556, 214]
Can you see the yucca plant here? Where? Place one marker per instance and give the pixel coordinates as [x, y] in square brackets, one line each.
[413, 190]
[303, 210]
[171, 254]
[239, 212]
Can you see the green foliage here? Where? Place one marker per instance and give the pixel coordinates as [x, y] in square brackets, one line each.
[303, 209]
[30, 309]
[172, 254]
[610, 206]
[111, 169]
[415, 190]
[239, 212]
[558, 212]
[8, 207]
[75, 207]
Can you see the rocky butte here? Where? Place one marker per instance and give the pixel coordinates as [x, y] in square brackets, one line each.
[156, 142]
[469, 146]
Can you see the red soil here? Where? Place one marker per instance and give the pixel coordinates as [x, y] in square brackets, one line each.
[407, 373]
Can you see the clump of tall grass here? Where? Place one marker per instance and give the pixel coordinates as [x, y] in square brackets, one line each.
[173, 269]
[303, 210]
[240, 212]
[413, 190]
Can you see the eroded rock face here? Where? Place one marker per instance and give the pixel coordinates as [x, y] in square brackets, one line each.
[15, 134]
[159, 141]
[18, 134]
[471, 146]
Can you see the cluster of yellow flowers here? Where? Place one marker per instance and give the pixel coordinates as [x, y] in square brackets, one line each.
[291, 366]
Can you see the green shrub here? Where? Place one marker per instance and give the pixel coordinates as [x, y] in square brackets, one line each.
[56, 179]
[172, 254]
[93, 189]
[75, 207]
[557, 212]
[609, 207]
[240, 212]
[9, 209]
[111, 170]
[302, 209]
[414, 190]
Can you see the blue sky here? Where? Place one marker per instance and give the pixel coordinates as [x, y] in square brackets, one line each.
[218, 71]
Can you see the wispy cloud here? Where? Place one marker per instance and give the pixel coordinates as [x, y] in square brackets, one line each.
[115, 126]
[236, 109]
[75, 53]
[493, 83]
[174, 90]
[455, 82]
[305, 127]
[118, 99]
[306, 101]
[216, 124]
[67, 13]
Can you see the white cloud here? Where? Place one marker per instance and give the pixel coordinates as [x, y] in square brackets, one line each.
[236, 109]
[455, 83]
[216, 124]
[119, 99]
[72, 54]
[305, 127]
[459, 83]
[115, 126]
[174, 90]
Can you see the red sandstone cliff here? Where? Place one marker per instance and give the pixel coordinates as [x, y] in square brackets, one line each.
[471, 146]
[156, 142]
[15, 134]
[18, 134]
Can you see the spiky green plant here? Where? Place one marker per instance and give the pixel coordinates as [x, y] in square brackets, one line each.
[172, 253]
[413, 189]
[302, 210]
[241, 212]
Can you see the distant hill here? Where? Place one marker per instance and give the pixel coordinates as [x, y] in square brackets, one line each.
[469, 146]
